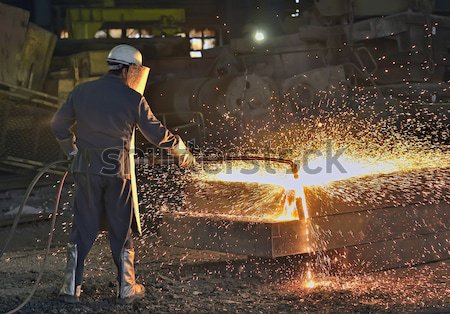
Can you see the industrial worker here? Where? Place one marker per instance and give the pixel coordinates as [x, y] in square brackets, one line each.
[106, 112]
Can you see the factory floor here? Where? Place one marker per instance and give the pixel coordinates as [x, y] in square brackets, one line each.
[190, 281]
[181, 280]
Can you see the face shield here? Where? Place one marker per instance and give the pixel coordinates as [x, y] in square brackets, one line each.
[137, 77]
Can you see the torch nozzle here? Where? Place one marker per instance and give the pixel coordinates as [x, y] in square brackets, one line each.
[294, 167]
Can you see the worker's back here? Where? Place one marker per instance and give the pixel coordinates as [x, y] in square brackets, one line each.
[105, 112]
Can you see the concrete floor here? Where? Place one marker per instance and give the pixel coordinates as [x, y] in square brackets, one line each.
[182, 280]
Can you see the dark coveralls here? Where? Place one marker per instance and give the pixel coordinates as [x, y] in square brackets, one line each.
[106, 112]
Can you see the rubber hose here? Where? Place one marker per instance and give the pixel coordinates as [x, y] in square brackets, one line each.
[25, 200]
[52, 227]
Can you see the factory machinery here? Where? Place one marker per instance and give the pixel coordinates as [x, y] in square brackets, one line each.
[400, 53]
[397, 53]
[333, 51]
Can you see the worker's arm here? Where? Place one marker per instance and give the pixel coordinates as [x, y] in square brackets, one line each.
[61, 125]
[157, 134]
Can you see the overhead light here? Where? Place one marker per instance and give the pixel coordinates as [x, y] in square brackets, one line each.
[195, 54]
[259, 36]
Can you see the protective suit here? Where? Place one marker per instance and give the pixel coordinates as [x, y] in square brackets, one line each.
[106, 112]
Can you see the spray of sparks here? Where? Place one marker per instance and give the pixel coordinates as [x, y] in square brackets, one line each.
[369, 149]
[294, 189]
[389, 147]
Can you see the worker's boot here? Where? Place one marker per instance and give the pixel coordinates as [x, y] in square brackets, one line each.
[129, 290]
[70, 293]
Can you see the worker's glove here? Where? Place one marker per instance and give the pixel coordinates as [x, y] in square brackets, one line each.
[179, 150]
[68, 147]
[187, 160]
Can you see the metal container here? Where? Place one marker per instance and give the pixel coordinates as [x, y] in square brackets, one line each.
[36, 57]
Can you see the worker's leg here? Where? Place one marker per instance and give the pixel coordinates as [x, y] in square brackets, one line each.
[87, 210]
[118, 211]
[118, 204]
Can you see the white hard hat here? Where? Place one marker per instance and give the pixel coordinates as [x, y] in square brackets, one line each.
[123, 55]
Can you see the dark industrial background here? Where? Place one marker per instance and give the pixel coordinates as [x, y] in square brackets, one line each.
[237, 74]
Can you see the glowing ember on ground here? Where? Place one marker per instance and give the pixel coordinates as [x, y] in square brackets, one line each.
[310, 284]
[309, 280]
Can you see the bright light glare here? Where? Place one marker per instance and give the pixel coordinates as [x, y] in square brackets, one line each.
[195, 54]
[259, 36]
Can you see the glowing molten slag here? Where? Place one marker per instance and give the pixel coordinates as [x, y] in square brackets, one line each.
[290, 210]
[290, 206]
